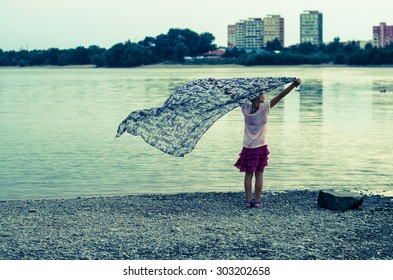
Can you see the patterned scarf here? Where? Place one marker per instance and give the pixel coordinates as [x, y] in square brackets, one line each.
[176, 127]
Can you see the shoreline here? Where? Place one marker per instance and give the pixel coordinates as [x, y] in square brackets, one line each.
[163, 65]
[211, 225]
[382, 193]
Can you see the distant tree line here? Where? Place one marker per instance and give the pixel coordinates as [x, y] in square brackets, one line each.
[177, 44]
[306, 53]
[173, 46]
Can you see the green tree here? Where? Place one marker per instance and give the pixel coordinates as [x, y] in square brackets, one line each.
[372, 56]
[274, 45]
[368, 46]
[112, 57]
[162, 47]
[335, 46]
[79, 56]
[186, 36]
[307, 48]
[52, 56]
[148, 42]
[235, 53]
[351, 47]
[180, 51]
[133, 55]
[37, 57]
[95, 55]
[206, 43]
[340, 59]
[356, 58]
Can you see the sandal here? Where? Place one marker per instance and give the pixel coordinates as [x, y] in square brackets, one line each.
[248, 204]
[258, 204]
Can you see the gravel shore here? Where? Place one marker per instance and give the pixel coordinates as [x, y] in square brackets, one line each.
[195, 226]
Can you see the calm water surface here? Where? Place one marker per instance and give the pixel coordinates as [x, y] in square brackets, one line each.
[58, 126]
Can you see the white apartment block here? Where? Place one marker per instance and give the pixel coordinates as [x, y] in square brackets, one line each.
[273, 28]
[246, 34]
[311, 27]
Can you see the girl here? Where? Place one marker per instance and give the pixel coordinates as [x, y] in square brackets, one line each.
[254, 155]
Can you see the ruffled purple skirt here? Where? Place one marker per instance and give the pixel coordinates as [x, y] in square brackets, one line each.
[253, 160]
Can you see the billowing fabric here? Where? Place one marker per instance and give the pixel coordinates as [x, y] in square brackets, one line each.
[187, 114]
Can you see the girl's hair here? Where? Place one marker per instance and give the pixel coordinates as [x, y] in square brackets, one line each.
[255, 100]
[255, 104]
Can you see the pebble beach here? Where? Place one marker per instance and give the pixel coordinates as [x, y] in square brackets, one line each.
[195, 226]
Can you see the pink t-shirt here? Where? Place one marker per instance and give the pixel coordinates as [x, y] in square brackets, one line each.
[255, 125]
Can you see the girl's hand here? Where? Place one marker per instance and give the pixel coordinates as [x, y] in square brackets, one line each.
[276, 99]
[297, 82]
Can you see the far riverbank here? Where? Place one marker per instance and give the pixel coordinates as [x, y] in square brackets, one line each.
[190, 65]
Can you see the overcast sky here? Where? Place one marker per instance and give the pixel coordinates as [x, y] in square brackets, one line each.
[42, 24]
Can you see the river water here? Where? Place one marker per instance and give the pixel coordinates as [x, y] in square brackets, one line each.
[58, 129]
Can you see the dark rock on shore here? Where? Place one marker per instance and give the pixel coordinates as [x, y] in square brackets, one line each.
[339, 200]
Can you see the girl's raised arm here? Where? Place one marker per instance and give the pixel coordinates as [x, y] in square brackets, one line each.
[277, 98]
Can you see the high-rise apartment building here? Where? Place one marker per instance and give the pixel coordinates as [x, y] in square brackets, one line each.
[382, 35]
[240, 42]
[246, 34]
[311, 27]
[273, 28]
[253, 37]
[231, 36]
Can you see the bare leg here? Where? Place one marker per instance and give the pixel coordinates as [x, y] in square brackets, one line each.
[248, 185]
[258, 185]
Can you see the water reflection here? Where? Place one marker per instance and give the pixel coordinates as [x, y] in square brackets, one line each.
[383, 86]
[295, 135]
[311, 101]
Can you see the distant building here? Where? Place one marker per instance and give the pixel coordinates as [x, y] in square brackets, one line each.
[273, 28]
[246, 34]
[360, 43]
[231, 36]
[363, 44]
[240, 42]
[382, 35]
[311, 27]
[253, 28]
[214, 54]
